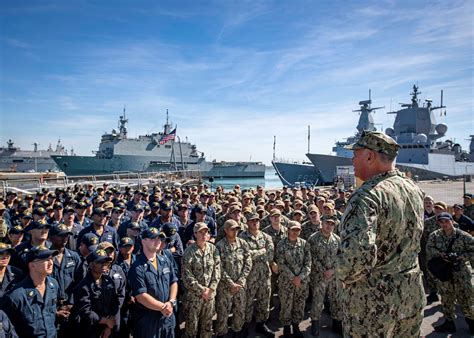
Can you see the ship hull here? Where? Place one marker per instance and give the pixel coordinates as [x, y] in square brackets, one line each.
[326, 165]
[292, 174]
[23, 165]
[88, 165]
[440, 166]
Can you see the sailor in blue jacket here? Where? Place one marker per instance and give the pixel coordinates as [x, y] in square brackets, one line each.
[9, 275]
[66, 267]
[96, 302]
[154, 285]
[31, 304]
[6, 328]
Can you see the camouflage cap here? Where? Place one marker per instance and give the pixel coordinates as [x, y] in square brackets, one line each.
[330, 219]
[294, 225]
[252, 216]
[376, 141]
[230, 224]
[199, 226]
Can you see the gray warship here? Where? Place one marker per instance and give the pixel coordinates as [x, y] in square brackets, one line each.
[14, 159]
[292, 174]
[420, 155]
[162, 151]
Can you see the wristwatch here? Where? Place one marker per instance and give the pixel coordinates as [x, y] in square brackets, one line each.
[173, 302]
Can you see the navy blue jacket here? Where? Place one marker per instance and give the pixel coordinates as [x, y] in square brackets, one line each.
[31, 314]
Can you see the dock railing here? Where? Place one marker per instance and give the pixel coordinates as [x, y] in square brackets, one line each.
[119, 179]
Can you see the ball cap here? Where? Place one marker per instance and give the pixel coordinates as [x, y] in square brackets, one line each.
[199, 226]
[275, 212]
[59, 230]
[230, 224]
[252, 216]
[6, 248]
[376, 141]
[330, 219]
[151, 233]
[98, 256]
[126, 241]
[40, 252]
[91, 241]
[444, 215]
[294, 225]
[37, 225]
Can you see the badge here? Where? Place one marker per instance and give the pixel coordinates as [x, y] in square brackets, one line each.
[31, 293]
[166, 270]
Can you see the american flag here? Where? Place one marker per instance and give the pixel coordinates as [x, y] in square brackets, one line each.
[168, 137]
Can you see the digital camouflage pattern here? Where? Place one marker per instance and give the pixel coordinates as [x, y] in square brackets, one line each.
[430, 225]
[382, 292]
[201, 269]
[323, 258]
[376, 141]
[459, 290]
[236, 263]
[294, 259]
[308, 228]
[258, 282]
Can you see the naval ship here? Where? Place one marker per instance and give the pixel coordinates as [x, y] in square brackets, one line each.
[421, 154]
[14, 159]
[162, 151]
[292, 174]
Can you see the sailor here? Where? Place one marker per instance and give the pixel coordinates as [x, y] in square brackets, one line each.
[136, 218]
[125, 259]
[74, 228]
[259, 280]
[6, 327]
[378, 252]
[154, 286]
[9, 275]
[293, 256]
[80, 218]
[39, 234]
[31, 304]
[117, 275]
[201, 275]
[96, 303]
[464, 223]
[66, 265]
[457, 247]
[324, 245]
[100, 229]
[313, 224]
[468, 205]
[236, 263]
[15, 235]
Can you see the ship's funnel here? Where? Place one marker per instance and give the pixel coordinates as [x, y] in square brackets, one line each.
[441, 129]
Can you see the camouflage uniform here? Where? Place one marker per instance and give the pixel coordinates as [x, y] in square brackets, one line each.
[469, 211]
[294, 259]
[323, 257]
[308, 228]
[258, 283]
[382, 293]
[236, 263]
[430, 225]
[201, 269]
[276, 236]
[459, 289]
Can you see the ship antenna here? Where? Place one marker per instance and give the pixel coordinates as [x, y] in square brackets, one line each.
[274, 143]
[309, 137]
[167, 121]
[370, 91]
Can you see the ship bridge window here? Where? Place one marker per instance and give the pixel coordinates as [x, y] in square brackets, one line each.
[167, 146]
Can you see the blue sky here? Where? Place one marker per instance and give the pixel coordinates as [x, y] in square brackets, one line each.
[231, 73]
